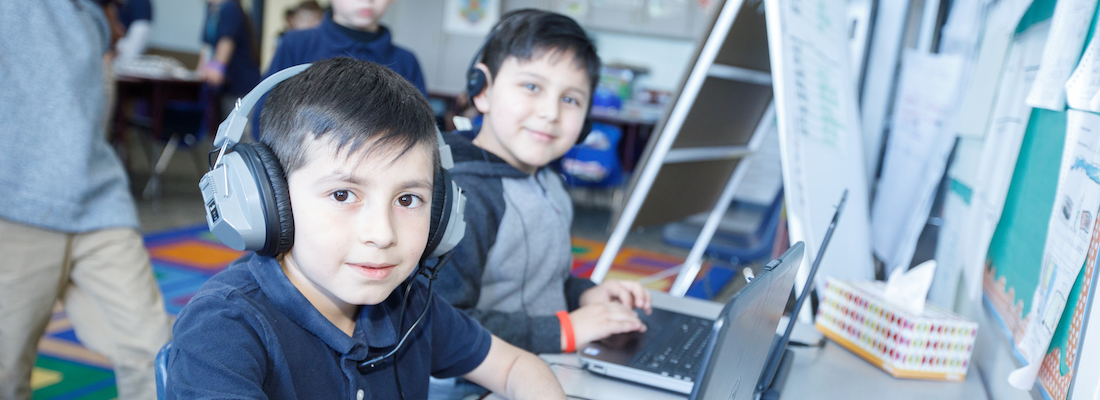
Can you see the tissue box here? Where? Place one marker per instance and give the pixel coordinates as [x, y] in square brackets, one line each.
[934, 345]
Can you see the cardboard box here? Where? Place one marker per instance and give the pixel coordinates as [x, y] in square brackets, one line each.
[934, 345]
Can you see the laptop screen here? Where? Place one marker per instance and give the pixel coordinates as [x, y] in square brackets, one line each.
[740, 338]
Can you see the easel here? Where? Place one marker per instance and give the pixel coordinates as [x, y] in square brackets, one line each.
[732, 52]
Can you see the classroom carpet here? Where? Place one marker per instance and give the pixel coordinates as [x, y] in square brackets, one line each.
[183, 259]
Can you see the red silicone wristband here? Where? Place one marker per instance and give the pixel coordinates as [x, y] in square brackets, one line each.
[567, 330]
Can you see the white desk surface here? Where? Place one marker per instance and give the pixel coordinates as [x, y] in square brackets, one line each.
[825, 373]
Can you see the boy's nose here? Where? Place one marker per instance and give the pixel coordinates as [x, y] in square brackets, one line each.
[549, 108]
[376, 229]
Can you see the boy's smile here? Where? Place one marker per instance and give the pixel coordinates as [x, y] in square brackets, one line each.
[360, 223]
[534, 109]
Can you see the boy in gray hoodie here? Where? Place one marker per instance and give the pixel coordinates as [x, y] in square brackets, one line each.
[511, 272]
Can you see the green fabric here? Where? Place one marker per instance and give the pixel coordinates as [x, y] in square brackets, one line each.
[1061, 334]
[1040, 10]
[1016, 250]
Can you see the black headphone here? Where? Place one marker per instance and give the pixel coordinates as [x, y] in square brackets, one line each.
[248, 202]
[476, 81]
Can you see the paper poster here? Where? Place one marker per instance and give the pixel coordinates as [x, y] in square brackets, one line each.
[945, 285]
[820, 139]
[1069, 25]
[1076, 202]
[977, 105]
[916, 154]
[962, 30]
[996, 162]
[471, 17]
[1083, 85]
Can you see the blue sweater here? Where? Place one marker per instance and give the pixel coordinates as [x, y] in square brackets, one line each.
[56, 169]
[329, 41]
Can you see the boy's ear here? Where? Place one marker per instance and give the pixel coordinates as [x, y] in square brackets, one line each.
[481, 101]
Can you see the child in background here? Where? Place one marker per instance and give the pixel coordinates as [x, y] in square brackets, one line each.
[226, 59]
[511, 272]
[306, 15]
[351, 29]
[358, 146]
[136, 17]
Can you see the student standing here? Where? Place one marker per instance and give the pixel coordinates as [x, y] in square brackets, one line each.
[136, 16]
[68, 225]
[227, 60]
[306, 15]
[352, 29]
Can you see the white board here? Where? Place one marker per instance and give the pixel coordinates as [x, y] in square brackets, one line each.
[819, 135]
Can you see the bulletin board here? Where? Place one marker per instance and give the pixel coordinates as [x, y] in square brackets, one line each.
[1016, 250]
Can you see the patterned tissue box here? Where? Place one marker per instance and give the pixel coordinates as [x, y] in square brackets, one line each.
[934, 345]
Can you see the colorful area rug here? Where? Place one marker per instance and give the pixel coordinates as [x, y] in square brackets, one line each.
[184, 259]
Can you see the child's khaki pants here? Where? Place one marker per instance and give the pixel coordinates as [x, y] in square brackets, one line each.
[105, 282]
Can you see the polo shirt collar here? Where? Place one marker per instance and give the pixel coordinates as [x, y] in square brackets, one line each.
[340, 41]
[373, 326]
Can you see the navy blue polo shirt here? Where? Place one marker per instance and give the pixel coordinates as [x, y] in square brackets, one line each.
[249, 333]
[329, 41]
[227, 20]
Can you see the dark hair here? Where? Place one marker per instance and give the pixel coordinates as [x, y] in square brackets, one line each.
[309, 5]
[528, 33]
[353, 103]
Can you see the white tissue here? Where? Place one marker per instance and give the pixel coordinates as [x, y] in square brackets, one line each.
[908, 289]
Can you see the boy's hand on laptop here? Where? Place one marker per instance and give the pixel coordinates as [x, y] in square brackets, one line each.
[597, 321]
[628, 293]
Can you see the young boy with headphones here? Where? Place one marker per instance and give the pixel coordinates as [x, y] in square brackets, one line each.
[533, 80]
[343, 200]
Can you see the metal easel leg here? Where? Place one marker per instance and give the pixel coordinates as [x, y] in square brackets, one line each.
[690, 268]
[153, 187]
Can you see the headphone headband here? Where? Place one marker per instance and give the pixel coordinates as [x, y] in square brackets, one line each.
[232, 128]
[248, 202]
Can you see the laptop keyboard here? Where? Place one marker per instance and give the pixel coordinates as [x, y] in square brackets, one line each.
[678, 349]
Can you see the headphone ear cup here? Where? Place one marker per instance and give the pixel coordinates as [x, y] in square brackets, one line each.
[475, 83]
[278, 207]
[440, 211]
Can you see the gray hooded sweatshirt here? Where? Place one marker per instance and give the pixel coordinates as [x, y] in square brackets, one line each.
[511, 272]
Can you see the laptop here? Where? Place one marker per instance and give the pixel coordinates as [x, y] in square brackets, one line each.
[733, 357]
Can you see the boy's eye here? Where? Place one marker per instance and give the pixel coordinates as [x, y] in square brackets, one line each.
[409, 200]
[571, 100]
[342, 195]
[531, 86]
